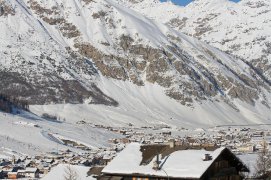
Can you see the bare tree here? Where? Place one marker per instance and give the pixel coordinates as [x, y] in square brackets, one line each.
[263, 163]
[70, 173]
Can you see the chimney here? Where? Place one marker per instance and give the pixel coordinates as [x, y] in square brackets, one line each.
[172, 143]
[207, 157]
[13, 159]
[156, 163]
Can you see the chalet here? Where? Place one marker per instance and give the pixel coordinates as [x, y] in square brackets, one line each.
[5, 162]
[166, 133]
[112, 141]
[258, 134]
[209, 145]
[12, 175]
[45, 170]
[30, 163]
[95, 171]
[246, 148]
[173, 162]
[2, 175]
[21, 173]
[124, 140]
[31, 173]
[7, 169]
[49, 161]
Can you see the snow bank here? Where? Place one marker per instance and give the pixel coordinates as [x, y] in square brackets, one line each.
[60, 171]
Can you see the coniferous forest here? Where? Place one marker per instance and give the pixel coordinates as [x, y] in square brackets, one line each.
[8, 104]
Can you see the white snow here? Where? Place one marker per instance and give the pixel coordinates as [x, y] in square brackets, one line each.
[245, 24]
[137, 105]
[149, 105]
[59, 172]
[23, 123]
[179, 164]
[250, 160]
[29, 140]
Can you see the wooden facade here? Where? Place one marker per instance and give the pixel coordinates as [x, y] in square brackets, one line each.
[12, 175]
[226, 167]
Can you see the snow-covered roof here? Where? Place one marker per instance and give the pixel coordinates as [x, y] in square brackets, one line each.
[60, 171]
[179, 164]
[31, 169]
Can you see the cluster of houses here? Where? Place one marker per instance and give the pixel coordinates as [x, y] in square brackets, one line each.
[234, 141]
[36, 167]
[20, 168]
[243, 140]
[239, 140]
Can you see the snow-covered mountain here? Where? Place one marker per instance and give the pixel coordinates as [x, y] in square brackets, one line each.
[102, 52]
[241, 29]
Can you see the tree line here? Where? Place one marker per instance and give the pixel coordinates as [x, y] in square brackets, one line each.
[9, 103]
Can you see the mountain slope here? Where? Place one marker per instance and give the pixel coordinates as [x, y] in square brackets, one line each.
[149, 106]
[36, 66]
[35, 135]
[62, 51]
[241, 29]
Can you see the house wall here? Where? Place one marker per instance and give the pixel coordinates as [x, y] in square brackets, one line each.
[146, 178]
[12, 176]
[30, 175]
[222, 169]
[233, 177]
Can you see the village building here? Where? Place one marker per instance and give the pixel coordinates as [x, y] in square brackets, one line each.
[6, 169]
[2, 175]
[174, 162]
[31, 173]
[12, 175]
[250, 148]
[124, 140]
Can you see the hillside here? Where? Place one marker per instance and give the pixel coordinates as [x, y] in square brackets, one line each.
[28, 134]
[107, 57]
[10, 104]
[241, 29]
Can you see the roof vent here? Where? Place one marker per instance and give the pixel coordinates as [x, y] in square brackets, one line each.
[207, 157]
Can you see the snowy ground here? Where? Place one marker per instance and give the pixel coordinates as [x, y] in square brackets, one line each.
[149, 105]
[250, 161]
[142, 106]
[30, 134]
[59, 172]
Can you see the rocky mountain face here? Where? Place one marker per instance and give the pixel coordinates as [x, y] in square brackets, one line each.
[57, 50]
[240, 29]
[36, 66]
